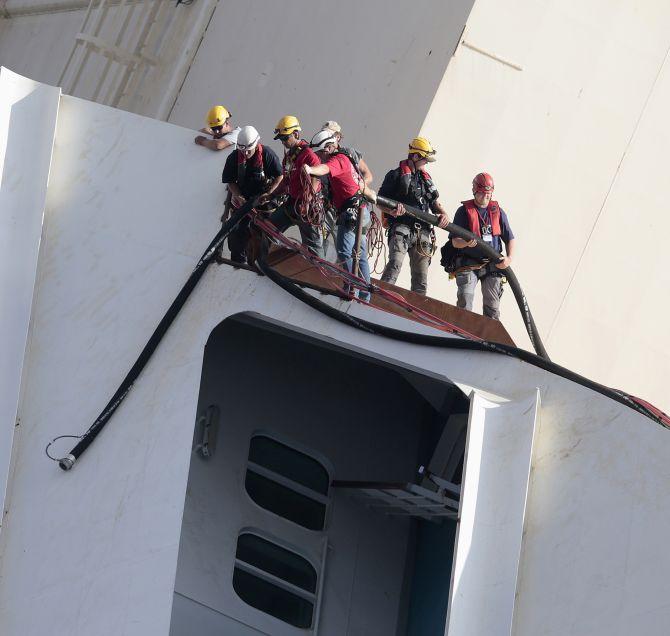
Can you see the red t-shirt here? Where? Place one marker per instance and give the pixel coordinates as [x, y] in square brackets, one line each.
[293, 170]
[344, 180]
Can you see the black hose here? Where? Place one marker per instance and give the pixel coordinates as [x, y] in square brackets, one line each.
[487, 251]
[87, 438]
[446, 342]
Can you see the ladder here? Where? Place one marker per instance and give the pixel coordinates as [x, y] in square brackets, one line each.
[125, 49]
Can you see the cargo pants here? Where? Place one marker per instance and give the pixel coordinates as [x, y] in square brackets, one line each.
[492, 290]
[285, 216]
[417, 241]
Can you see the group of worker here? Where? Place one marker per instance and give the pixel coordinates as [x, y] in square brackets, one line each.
[338, 176]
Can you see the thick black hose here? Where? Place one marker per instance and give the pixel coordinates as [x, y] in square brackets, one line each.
[446, 342]
[87, 438]
[488, 252]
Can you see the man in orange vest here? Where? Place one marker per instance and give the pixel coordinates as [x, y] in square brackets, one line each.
[487, 220]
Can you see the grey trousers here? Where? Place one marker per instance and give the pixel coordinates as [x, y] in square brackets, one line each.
[285, 216]
[492, 290]
[403, 239]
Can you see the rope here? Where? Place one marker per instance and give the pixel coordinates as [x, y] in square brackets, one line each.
[376, 244]
[310, 207]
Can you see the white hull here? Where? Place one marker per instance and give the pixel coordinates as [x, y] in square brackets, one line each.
[564, 516]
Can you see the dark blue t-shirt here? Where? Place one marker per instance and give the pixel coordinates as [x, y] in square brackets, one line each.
[461, 218]
[252, 184]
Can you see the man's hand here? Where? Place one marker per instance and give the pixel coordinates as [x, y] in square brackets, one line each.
[397, 211]
[504, 263]
[199, 139]
[443, 220]
[369, 194]
[460, 243]
[306, 169]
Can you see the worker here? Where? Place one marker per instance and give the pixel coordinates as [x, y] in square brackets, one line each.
[297, 153]
[356, 156]
[410, 184]
[348, 192]
[487, 220]
[219, 128]
[253, 170]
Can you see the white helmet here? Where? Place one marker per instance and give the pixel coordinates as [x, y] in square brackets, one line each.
[332, 125]
[247, 138]
[322, 139]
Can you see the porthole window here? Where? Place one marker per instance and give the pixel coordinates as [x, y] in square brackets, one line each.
[287, 482]
[275, 580]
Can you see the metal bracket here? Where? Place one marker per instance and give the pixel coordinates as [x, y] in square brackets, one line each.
[206, 430]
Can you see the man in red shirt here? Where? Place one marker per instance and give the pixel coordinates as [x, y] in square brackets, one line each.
[297, 154]
[348, 192]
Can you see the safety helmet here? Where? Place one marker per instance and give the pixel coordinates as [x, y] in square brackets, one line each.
[332, 125]
[483, 182]
[248, 138]
[322, 139]
[421, 146]
[217, 116]
[286, 125]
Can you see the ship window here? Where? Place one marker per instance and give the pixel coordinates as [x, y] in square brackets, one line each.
[275, 580]
[287, 482]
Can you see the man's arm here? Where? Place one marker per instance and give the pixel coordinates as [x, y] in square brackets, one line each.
[274, 184]
[442, 215]
[234, 189]
[461, 243]
[509, 248]
[237, 198]
[366, 173]
[316, 171]
[212, 144]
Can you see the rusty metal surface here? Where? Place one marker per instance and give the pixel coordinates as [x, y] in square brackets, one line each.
[295, 267]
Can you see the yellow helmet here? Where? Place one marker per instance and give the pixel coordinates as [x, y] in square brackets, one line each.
[421, 146]
[217, 116]
[286, 125]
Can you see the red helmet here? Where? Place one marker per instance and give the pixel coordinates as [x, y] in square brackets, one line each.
[483, 182]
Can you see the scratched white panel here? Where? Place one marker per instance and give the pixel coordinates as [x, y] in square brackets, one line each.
[27, 127]
[493, 505]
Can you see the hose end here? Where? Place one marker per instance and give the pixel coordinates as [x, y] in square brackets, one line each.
[67, 462]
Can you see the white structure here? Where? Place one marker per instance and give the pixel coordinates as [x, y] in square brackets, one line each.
[563, 103]
[564, 512]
